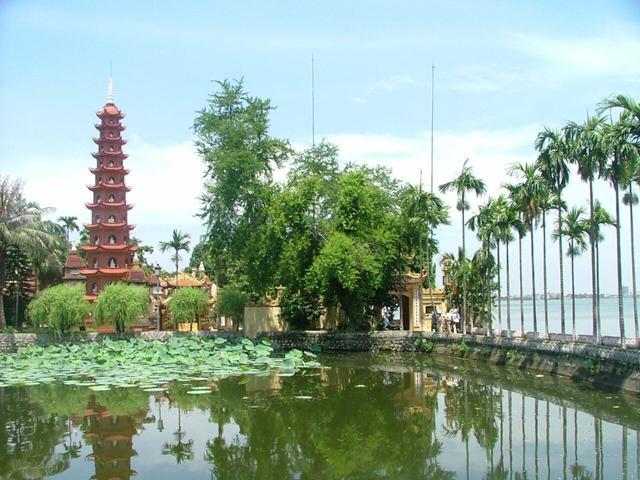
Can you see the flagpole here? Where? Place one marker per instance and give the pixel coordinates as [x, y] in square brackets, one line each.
[433, 69]
[313, 105]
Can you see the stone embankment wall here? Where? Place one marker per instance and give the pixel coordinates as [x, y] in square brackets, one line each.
[607, 365]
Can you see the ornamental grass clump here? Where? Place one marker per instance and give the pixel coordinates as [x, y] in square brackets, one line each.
[61, 308]
[121, 305]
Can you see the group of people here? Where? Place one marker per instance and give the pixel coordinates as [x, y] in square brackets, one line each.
[449, 322]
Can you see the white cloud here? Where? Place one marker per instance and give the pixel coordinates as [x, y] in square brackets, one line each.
[613, 54]
[486, 78]
[385, 85]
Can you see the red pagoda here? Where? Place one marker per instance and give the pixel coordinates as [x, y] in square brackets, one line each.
[109, 252]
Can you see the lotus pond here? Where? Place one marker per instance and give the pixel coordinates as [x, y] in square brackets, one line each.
[192, 408]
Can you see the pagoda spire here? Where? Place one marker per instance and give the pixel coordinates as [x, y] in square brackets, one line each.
[110, 91]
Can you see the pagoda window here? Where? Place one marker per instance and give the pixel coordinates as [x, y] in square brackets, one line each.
[111, 148]
[112, 219]
[112, 239]
[94, 288]
[112, 263]
[112, 198]
[96, 241]
[98, 198]
[112, 180]
[97, 219]
[111, 164]
[95, 262]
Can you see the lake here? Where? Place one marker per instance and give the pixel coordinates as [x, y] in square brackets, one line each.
[584, 319]
[358, 416]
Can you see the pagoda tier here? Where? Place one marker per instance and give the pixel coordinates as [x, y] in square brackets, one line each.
[108, 226]
[109, 253]
[105, 154]
[108, 186]
[109, 248]
[107, 205]
[112, 139]
[103, 169]
[101, 127]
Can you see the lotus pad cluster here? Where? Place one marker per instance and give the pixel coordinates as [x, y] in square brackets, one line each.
[147, 363]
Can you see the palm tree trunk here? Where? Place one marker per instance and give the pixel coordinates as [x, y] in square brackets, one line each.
[464, 277]
[573, 295]
[598, 291]
[533, 284]
[499, 288]
[3, 321]
[619, 270]
[594, 302]
[544, 273]
[506, 246]
[633, 266]
[560, 252]
[521, 290]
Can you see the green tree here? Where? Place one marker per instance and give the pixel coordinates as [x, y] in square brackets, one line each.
[587, 153]
[187, 305]
[179, 242]
[621, 151]
[528, 196]
[70, 224]
[142, 251]
[463, 184]
[554, 152]
[61, 307]
[21, 225]
[121, 305]
[231, 302]
[300, 310]
[574, 228]
[239, 157]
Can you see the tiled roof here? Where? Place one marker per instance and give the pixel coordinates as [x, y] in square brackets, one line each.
[74, 260]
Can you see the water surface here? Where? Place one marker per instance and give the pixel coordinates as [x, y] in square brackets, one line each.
[360, 416]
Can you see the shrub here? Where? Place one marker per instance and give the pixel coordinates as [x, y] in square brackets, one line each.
[300, 310]
[424, 345]
[121, 305]
[186, 304]
[61, 307]
[231, 301]
[460, 349]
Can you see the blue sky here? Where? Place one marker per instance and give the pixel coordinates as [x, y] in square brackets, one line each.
[503, 70]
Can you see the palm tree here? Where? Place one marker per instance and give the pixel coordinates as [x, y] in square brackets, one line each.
[69, 224]
[21, 225]
[587, 153]
[601, 218]
[506, 221]
[528, 196]
[553, 151]
[179, 242]
[465, 182]
[630, 199]
[574, 228]
[621, 151]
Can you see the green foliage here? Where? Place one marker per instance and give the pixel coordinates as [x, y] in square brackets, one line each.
[142, 252]
[460, 349]
[144, 363]
[121, 305]
[423, 345]
[300, 310]
[187, 304]
[231, 301]
[61, 307]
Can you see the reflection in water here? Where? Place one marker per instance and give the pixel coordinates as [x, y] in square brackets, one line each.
[358, 417]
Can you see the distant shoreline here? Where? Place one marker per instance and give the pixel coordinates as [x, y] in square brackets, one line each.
[557, 297]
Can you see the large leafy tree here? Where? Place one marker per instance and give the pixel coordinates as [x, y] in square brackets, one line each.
[554, 151]
[239, 157]
[22, 225]
[179, 242]
[61, 307]
[187, 305]
[463, 184]
[231, 301]
[121, 305]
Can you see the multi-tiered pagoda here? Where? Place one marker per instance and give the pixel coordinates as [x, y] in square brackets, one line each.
[109, 252]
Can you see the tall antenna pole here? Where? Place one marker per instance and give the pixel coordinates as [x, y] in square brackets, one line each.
[313, 105]
[433, 70]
